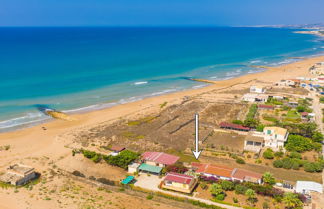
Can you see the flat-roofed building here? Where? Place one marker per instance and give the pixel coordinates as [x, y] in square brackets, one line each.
[254, 142]
[252, 97]
[275, 137]
[18, 174]
[257, 89]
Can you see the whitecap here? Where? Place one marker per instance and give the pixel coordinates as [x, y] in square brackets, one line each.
[140, 82]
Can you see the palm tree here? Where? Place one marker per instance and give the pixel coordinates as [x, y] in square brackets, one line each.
[268, 178]
[291, 201]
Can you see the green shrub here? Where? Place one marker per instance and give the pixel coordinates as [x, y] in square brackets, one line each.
[149, 196]
[240, 189]
[220, 196]
[277, 163]
[240, 161]
[227, 185]
[295, 155]
[239, 122]
[313, 167]
[235, 200]
[268, 154]
[279, 154]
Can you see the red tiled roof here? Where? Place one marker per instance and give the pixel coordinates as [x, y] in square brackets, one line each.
[213, 169]
[160, 157]
[179, 178]
[117, 148]
[265, 106]
[244, 174]
[304, 113]
[234, 126]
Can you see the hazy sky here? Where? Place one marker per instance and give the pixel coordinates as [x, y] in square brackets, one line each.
[159, 12]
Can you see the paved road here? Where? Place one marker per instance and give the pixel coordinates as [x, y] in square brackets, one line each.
[317, 107]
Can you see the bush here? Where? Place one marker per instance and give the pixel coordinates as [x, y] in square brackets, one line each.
[239, 122]
[279, 154]
[149, 196]
[122, 160]
[78, 173]
[240, 161]
[240, 189]
[220, 196]
[235, 200]
[177, 168]
[227, 185]
[278, 163]
[268, 154]
[260, 127]
[295, 155]
[313, 167]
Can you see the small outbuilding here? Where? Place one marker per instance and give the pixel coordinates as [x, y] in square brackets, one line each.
[18, 174]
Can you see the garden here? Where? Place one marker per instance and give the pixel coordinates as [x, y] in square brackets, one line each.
[248, 195]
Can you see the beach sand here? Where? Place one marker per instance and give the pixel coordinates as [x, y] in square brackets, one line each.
[43, 148]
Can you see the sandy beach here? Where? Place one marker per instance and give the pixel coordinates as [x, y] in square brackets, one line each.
[50, 145]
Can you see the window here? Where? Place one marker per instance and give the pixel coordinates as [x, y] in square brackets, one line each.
[268, 131]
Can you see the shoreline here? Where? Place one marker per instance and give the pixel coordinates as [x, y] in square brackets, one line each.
[101, 106]
[96, 116]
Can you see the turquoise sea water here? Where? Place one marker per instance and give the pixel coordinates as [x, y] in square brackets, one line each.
[80, 69]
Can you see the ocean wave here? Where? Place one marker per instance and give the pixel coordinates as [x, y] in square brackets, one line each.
[140, 82]
[255, 61]
[29, 118]
[198, 86]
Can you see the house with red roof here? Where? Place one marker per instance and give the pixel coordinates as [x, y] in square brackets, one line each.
[160, 159]
[246, 176]
[179, 182]
[212, 170]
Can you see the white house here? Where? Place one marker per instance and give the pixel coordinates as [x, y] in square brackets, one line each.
[305, 187]
[275, 137]
[257, 89]
[251, 97]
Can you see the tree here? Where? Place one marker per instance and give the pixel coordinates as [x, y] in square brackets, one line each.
[268, 178]
[216, 189]
[227, 185]
[250, 193]
[317, 136]
[291, 201]
[299, 143]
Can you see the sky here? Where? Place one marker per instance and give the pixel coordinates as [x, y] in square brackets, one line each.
[159, 12]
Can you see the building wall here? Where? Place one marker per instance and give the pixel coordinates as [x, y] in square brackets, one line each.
[155, 164]
[25, 179]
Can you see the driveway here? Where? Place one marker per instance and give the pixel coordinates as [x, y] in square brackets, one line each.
[148, 182]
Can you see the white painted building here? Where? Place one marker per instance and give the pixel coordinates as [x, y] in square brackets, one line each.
[257, 89]
[252, 97]
[275, 137]
[305, 187]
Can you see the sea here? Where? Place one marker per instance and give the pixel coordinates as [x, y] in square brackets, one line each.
[79, 69]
